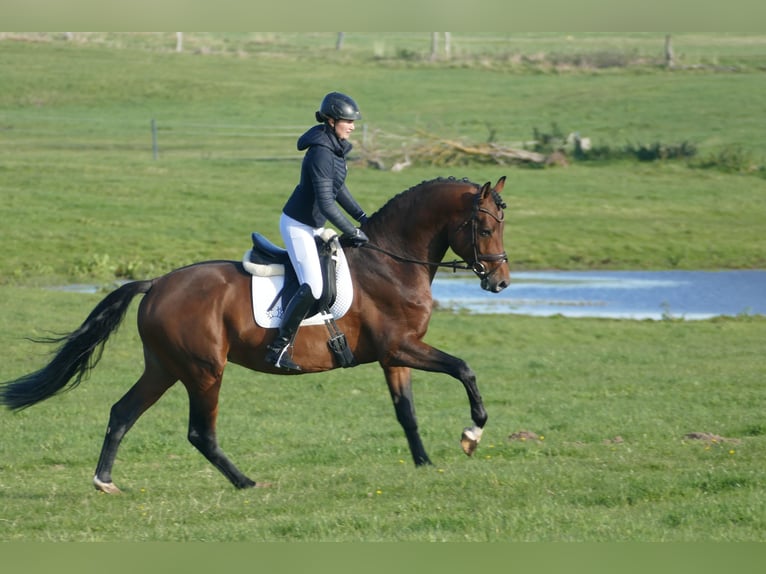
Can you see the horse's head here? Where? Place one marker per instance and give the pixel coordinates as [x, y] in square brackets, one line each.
[479, 238]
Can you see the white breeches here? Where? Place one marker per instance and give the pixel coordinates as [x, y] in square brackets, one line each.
[300, 244]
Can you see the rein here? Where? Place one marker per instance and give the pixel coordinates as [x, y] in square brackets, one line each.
[477, 266]
[454, 265]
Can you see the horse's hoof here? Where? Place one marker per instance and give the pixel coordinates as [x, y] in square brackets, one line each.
[470, 440]
[263, 484]
[107, 487]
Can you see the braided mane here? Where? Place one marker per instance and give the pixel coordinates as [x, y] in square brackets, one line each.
[412, 196]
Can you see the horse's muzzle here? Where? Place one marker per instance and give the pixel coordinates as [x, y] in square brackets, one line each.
[494, 286]
[492, 280]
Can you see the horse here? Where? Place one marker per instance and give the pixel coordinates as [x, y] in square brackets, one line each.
[195, 319]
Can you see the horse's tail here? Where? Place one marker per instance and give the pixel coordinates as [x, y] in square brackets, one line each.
[79, 353]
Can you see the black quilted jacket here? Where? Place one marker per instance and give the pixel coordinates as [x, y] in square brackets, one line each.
[323, 182]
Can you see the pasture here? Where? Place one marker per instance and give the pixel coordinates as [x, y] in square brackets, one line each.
[588, 435]
[610, 402]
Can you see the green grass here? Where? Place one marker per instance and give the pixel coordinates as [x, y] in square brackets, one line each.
[343, 471]
[80, 222]
[83, 201]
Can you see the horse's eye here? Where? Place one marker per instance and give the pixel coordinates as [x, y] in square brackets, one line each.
[485, 232]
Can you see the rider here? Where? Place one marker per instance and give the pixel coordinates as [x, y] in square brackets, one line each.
[312, 203]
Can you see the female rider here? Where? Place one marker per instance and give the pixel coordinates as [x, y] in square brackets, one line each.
[314, 201]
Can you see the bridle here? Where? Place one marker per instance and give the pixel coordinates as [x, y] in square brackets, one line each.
[477, 265]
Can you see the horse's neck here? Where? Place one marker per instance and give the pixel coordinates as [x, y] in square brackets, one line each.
[412, 240]
[408, 237]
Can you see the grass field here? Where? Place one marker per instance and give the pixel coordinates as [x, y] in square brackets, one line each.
[83, 199]
[610, 402]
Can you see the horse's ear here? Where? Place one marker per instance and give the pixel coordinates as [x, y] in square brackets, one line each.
[500, 185]
[486, 189]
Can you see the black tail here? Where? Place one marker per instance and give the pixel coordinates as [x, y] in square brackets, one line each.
[80, 352]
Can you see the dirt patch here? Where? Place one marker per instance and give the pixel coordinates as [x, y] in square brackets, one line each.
[616, 440]
[523, 436]
[710, 437]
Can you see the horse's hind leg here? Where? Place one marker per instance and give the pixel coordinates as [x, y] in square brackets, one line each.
[203, 412]
[125, 412]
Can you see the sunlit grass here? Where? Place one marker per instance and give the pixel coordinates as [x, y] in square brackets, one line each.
[604, 408]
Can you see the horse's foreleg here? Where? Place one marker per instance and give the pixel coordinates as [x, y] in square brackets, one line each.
[123, 415]
[400, 386]
[419, 355]
[203, 412]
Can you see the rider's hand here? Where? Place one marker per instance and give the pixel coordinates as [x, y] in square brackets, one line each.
[357, 239]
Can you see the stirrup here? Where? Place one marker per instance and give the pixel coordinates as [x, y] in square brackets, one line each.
[282, 359]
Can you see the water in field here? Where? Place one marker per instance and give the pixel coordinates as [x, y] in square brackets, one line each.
[607, 294]
[612, 294]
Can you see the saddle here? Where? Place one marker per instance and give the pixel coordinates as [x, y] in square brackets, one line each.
[274, 282]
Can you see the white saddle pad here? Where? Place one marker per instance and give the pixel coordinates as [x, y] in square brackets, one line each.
[265, 286]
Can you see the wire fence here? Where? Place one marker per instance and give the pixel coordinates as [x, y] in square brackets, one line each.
[380, 44]
[596, 49]
[150, 137]
[160, 138]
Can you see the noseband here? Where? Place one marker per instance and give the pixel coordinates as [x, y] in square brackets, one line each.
[477, 265]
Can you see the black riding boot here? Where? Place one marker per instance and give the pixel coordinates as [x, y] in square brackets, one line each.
[295, 312]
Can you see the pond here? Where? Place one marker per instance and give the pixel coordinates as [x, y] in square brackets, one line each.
[612, 294]
[607, 294]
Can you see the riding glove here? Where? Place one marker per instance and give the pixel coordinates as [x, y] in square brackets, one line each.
[357, 239]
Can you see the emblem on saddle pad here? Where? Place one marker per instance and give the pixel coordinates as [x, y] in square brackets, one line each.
[274, 281]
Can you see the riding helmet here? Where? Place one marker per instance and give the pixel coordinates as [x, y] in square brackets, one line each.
[338, 107]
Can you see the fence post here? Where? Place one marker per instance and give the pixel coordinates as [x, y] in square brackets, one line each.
[669, 58]
[155, 146]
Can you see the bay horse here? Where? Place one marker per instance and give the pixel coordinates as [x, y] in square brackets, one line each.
[195, 319]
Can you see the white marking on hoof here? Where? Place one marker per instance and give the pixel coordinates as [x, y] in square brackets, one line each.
[470, 439]
[107, 487]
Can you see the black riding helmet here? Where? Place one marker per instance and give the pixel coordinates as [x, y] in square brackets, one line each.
[338, 107]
